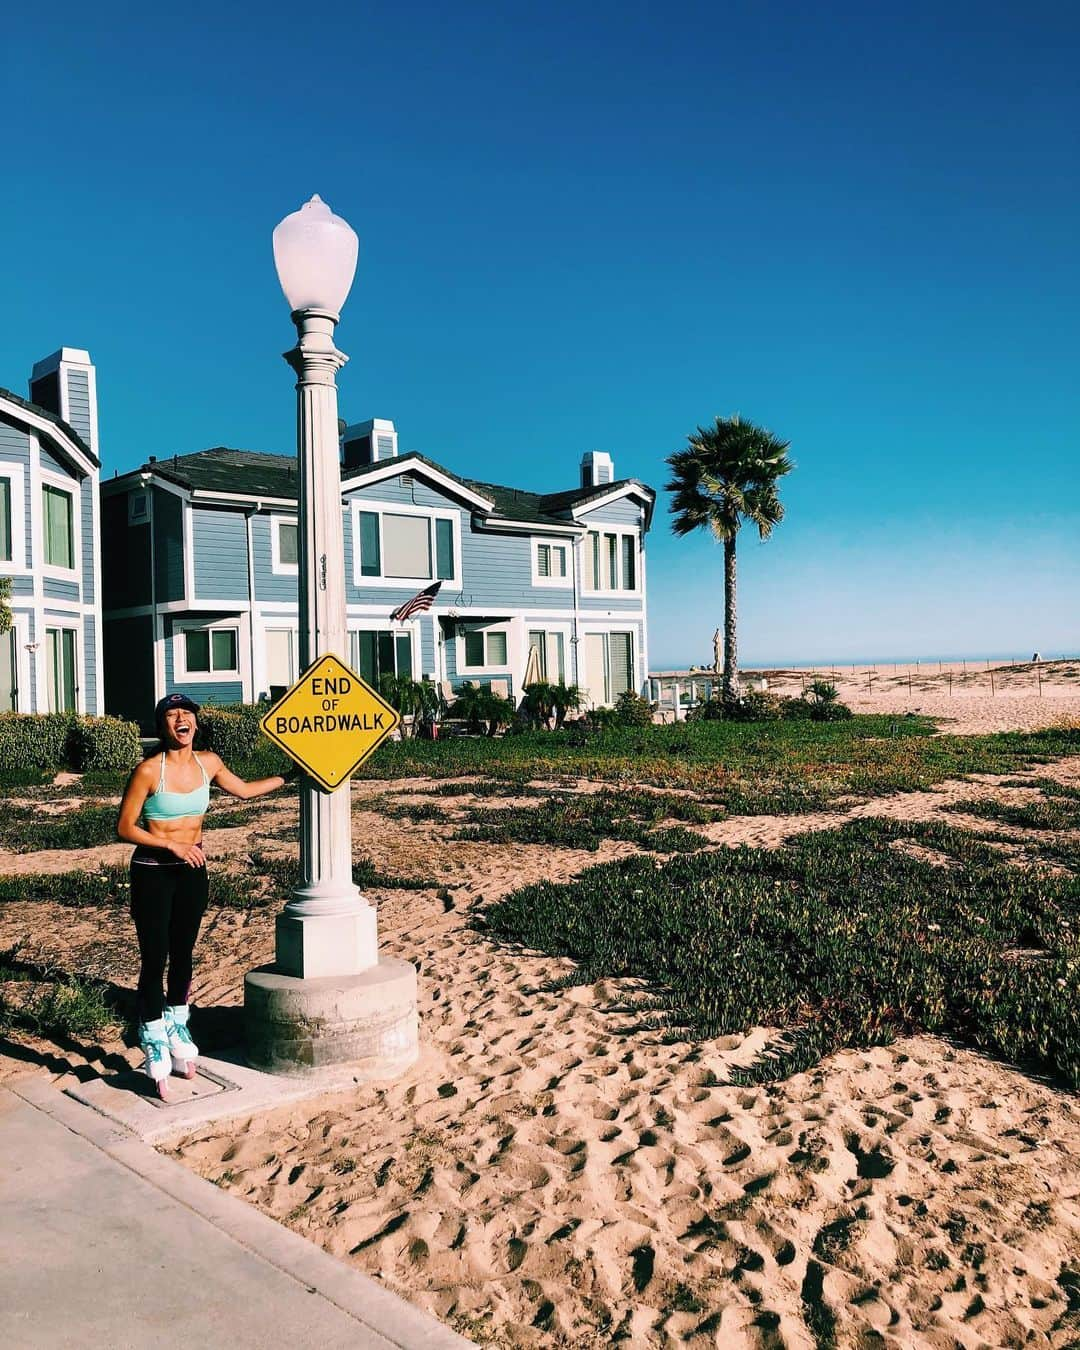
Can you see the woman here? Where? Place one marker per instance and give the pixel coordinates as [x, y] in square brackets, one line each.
[170, 793]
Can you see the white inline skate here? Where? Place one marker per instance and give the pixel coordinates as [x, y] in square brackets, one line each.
[154, 1039]
[182, 1048]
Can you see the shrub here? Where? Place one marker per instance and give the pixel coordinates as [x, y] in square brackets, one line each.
[101, 744]
[820, 703]
[795, 710]
[631, 710]
[754, 706]
[33, 741]
[232, 732]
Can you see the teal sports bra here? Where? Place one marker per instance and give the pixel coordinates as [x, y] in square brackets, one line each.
[162, 805]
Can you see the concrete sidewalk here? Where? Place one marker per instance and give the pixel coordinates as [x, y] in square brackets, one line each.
[106, 1243]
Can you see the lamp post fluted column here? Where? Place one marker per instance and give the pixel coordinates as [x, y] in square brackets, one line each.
[348, 943]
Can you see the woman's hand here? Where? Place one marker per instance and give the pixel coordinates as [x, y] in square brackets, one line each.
[192, 854]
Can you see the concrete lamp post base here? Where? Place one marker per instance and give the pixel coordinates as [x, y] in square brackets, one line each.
[311, 946]
[366, 1021]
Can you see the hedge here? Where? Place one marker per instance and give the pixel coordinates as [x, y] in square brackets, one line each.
[47, 742]
[103, 743]
[230, 731]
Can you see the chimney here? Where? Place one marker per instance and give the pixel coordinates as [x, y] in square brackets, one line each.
[597, 468]
[66, 384]
[370, 442]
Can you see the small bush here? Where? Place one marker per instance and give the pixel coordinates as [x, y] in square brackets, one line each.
[232, 732]
[102, 744]
[754, 706]
[795, 710]
[33, 741]
[631, 710]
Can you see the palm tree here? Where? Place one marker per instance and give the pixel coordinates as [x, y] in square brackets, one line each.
[725, 477]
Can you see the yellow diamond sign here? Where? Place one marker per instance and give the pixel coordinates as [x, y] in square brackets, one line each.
[330, 721]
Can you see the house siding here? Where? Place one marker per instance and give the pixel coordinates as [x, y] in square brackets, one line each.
[168, 512]
[15, 449]
[78, 398]
[50, 462]
[219, 541]
[128, 654]
[268, 586]
[87, 490]
[53, 589]
[624, 511]
[496, 568]
[125, 559]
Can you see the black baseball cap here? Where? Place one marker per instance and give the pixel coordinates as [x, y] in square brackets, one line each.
[171, 701]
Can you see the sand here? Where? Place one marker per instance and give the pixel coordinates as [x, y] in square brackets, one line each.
[552, 1173]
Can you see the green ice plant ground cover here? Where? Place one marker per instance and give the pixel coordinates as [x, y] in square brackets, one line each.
[769, 767]
[843, 938]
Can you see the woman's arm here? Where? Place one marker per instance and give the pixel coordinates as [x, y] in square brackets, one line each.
[238, 787]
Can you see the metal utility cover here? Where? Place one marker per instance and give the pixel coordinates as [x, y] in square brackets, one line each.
[330, 721]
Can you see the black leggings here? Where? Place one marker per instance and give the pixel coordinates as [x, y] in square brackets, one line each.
[167, 904]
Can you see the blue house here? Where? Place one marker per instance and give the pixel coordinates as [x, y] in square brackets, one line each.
[200, 575]
[50, 659]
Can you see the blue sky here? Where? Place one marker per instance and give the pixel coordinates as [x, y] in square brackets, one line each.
[594, 227]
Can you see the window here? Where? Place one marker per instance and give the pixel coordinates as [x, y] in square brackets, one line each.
[138, 507]
[394, 544]
[551, 563]
[379, 652]
[285, 546]
[550, 650]
[12, 518]
[60, 668]
[58, 527]
[484, 648]
[611, 561]
[210, 651]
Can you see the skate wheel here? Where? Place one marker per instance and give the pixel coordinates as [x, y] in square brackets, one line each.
[186, 1069]
[162, 1087]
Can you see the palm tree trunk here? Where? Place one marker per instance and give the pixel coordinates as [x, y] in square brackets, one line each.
[730, 690]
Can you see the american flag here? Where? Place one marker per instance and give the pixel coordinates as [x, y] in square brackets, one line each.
[421, 600]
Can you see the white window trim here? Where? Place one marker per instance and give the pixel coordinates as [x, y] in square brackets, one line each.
[381, 509]
[561, 583]
[72, 488]
[464, 671]
[180, 670]
[17, 566]
[621, 532]
[279, 568]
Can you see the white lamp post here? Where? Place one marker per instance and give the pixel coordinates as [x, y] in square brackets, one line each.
[329, 998]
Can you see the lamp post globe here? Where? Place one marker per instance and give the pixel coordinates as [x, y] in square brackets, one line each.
[315, 255]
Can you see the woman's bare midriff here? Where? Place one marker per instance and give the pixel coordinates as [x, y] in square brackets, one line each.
[183, 830]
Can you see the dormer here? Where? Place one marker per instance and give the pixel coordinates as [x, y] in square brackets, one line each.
[371, 442]
[597, 468]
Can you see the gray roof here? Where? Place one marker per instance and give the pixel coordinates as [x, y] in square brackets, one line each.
[251, 473]
[65, 427]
